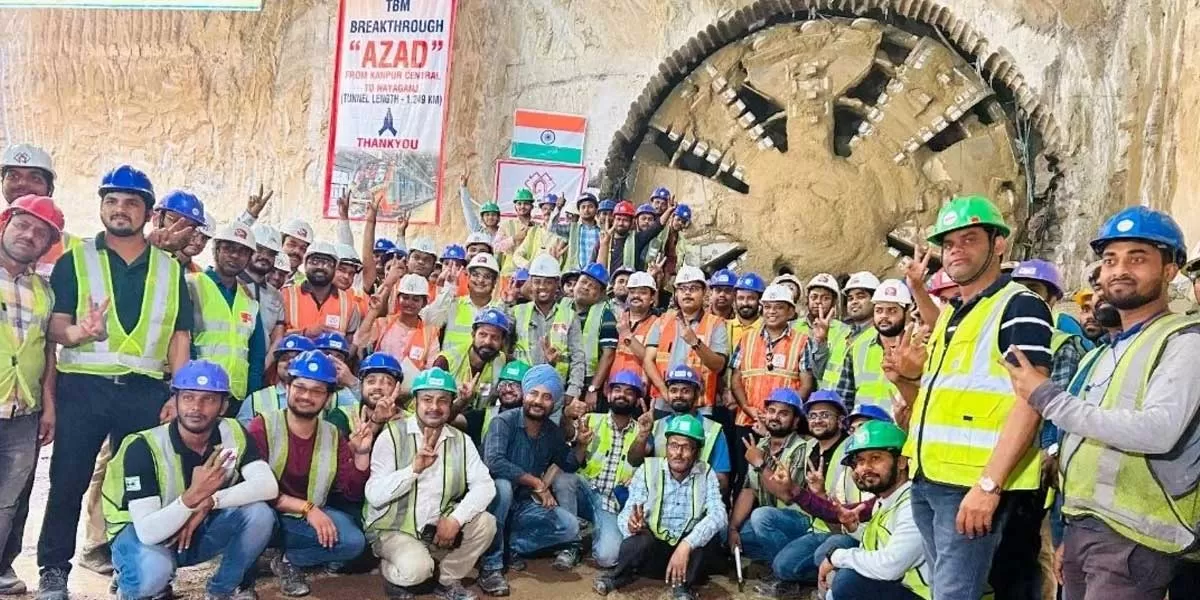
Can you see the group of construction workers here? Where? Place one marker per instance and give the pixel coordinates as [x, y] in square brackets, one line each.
[570, 383]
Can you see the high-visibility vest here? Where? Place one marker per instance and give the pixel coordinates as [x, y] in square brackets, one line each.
[590, 334]
[299, 315]
[964, 401]
[624, 359]
[419, 342]
[1118, 486]
[666, 341]
[537, 241]
[839, 483]
[459, 324]
[222, 333]
[274, 398]
[712, 430]
[655, 473]
[322, 468]
[573, 238]
[489, 413]
[838, 339]
[509, 262]
[792, 456]
[658, 244]
[22, 361]
[871, 385]
[401, 514]
[458, 361]
[143, 350]
[560, 327]
[628, 253]
[879, 530]
[168, 470]
[604, 444]
[760, 377]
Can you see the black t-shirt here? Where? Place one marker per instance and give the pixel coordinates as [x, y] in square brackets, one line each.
[141, 480]
[1026, 323]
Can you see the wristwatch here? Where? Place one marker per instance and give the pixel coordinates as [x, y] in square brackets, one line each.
[591, 389]
[988, 485]
[1052, 451]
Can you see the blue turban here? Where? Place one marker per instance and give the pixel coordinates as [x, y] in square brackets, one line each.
[546, 376]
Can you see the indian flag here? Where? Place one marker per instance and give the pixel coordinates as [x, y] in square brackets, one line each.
[548, 137]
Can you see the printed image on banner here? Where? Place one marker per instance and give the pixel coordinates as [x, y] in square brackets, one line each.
[389, 107]
[547, 136]
[138, 4]
[540, 178]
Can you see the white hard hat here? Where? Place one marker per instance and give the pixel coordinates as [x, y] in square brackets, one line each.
[208, 228]
[777, 292]
[299, 229]
[346, 253]
[825, 280]
[641, 279]
[862, 280]
[544, 265]
[413, 285]
[571, 208]
[478, 237]
[283, 263]
[894, 291]
[423, 244]
[28, 155]
[484, 260]
[324, 248]
[788, 278]
[689, 274]
[267, 237]
[236, 233]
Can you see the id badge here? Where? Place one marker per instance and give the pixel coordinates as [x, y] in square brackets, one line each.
[777, 361]
[416, 353]
[334, 321]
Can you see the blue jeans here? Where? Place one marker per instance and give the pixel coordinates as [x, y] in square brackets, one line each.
[849, 585]
[606, 536]
[960, 564]
[837, 541]
[533, 527]
[239, 535]
[769, 529]
[302, 549]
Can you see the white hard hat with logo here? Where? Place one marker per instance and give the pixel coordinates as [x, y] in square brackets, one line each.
[413, 285]
[690, 274]
[862, 280]
[894, 291]
[236, 233]
[267, 237]
[544, 265]
[824, 280]
[322, 248]
[777, 292]
[346, 253]
[483, 260]
[299, 229]
[478, 237]
[423, 244]
[283, 263]
[28, 155]
[641, 279]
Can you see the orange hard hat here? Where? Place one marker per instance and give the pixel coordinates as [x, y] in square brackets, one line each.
[940, 282]
[42, 207]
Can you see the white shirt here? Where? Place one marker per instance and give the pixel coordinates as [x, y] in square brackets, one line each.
[387, 484]
[903, 551]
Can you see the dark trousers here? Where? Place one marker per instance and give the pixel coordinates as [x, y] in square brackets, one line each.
[646, 555]
[1186, 583]
[1016, 573]
[849, 585]
[90, 408]
[16, 535]
[1101, 564]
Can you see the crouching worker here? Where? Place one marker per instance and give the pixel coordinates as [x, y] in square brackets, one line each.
[312, 460]
[672, 517]
[428, 494]
[186, 491]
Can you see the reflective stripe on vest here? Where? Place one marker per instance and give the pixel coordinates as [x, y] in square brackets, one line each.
[666, 342]
[560, 327]
[590, 334]
[879, 531]
[760, 377]
[459, 366]
[143, 350]
[601, 448]
[624, 359]
[839, 342]
[462, 318]
[292, 314]
[871, 385]
[419, 341]
[965, 399]
[792, 456]
[268, 399]
[655, 473]
[168, 470]
[712, 430]
[1117, 486]
[22, 361]
[222, 332]
[322, 468]
[401, 514]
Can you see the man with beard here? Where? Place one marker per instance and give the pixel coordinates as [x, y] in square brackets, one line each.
[229, 331]
[672, 519]
[476, 364]
[307, 307]
[122, 314]
[277, 278]
[721, 293]
[858, 291]
[312, 460]
[1130, 447]
[456, 314]
[256, 278]
[274, 397]
[618, 287]
[381, 376]
[862, 379]
[598, 328]
[196, 245]
[634, 324]
[518, 449]
[829, 338]
[660, 200]
[582, 237]
[688, 336]
[747, 293]
[1085, 299]
[347, 270]
[298, 235]
[645, 218]
[403, 334]
[170, 499]
[620, 245]
[508, 396]
[26, 170]
[971, 440]
[683, 389]
[669, 247]
[546, 330]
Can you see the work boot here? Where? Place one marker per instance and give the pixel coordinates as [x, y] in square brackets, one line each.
[492, 583]
[52, 585]
[397, 592]
[454, 591]
[567, 558]
[10, 584]
[292, 581]
[779, 590]
[682, 592]
[607, 583]
[97, 560]
[515, 562]
[242, 593]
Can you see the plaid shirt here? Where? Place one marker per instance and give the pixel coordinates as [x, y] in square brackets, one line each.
[846, 387]
[606, 481]
[16, 308]
[589, 238]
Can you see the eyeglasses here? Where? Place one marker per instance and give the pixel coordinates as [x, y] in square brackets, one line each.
[821, 414]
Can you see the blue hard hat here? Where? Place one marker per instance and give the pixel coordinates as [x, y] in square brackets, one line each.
[494, 317]
[683, 374]
[522, 274]
[629, 378]
[751, 282]
[661, 193]
[294, 343]
[723, 278]
[829, 396]
[127, 179]
[454, 252]
[587, 197]
[645, 209]
[598, 272]
[313, 365]
[201, 376]
[684, 212]
[183, 204]
[384, 245]
[381, 362]
[873, 412]
[397, 251]
[788, 396]
[1147, 225]
[607, 205]
[332, 340]
[549, 199]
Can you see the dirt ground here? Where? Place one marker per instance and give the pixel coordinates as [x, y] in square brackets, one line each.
[539, 582]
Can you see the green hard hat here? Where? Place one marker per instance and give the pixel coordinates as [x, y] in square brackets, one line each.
[435, 379]
[523, 195]
[489, 207]
[514, 371]
[874, 435]
[967, 211]
[687, 426]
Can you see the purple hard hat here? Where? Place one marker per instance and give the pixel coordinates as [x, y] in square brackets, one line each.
[1037, 269]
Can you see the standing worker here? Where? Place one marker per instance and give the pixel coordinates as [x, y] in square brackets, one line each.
[598, 326]
[829, 337]
[858, 292]
[634, 325]
[308, 309]
[546, 330]
[688, 336]
[862, 380]
[298, 235]
[459, 316]
[262, 263]
[26, 170]
[583, 236]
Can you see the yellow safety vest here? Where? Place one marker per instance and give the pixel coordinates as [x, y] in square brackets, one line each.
[839, 483]
[458, 364]
[461, 321]
[871, 385]
[322, 470]
[560, 327]
[604, 445]
[838, 340]
[1117, 486]
[401, 514]
[792, 456]
[964, 401]
[712, 430]
[655, 474]
[876, 535]
[168, 470]
[590, 334]
[143, 350]
[222, 332]
[22, 361]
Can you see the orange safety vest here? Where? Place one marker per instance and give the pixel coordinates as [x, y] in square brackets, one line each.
[624, 358]
[760, 376]
[419, 343]
[463, 289]
[708, 322]
[300, 310]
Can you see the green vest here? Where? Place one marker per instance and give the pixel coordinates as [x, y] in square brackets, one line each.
[655, 247]
[655, 473]
[876, 535]
[269, 399]
[1117, 486]
[322, 469]
[459, 365]
[604, 444]
[143, 350]
[871, 385]
[590, 330]
[460, 322]
[560, 327]
[168, 470]
[222, 332]
[838, 340]
[400, 514]
[839, 483]
[22, 361]
[793, 455]
[712, 430]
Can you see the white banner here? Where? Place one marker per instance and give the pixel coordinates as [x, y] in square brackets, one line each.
[138, 4]
[389, 107]
[540, 178]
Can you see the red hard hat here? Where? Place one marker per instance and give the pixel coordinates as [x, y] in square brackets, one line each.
[940, 282]
[624, 208]
[42, 207]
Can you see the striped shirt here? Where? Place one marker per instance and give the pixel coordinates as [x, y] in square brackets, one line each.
[1024, 324]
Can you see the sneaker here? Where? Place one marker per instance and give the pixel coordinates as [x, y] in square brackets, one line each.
[396, 592]
[97, 560]
[779, 590]
[244, 593]
[566, 559]
[516, 563]
[493, 583]
[682, 592]
[52, 585]
[292, 581]
[454, 591]
[10, 584]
